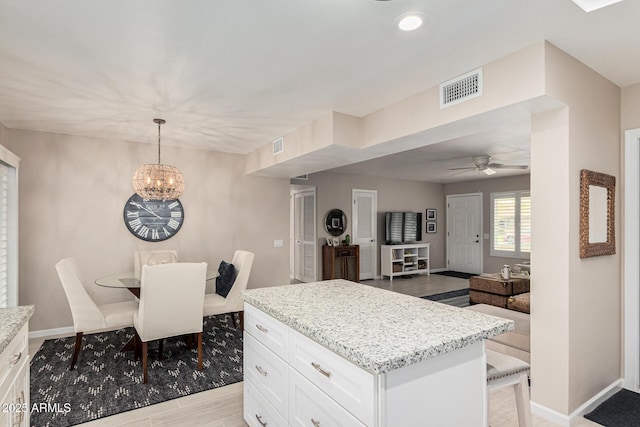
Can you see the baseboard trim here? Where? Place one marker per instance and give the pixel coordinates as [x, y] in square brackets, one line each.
[437, 270]
[588, 406]
[51, 332]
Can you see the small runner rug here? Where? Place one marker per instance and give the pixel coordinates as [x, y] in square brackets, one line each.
[107, 381]
[620, 410]
[458, 298]
[457, 274]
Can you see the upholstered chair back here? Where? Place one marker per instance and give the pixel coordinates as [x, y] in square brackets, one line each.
[141, 258]
[243, 261]
[171, 300]
[84, 310]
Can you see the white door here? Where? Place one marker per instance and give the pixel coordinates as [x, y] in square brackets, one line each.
[365, 207]
[304, 232]
[464, 233]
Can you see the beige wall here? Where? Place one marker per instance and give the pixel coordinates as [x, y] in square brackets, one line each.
[575, 302]
[491, 264]
[333, 191]
[630, 107]
[72, 193]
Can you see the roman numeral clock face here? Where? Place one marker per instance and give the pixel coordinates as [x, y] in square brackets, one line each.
[153, 220]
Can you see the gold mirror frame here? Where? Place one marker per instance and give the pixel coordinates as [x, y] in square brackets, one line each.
[589, 178]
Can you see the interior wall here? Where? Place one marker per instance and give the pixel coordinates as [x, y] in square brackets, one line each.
[72, 194]
[333, 191]
[491, 264]
[630, 107]
[587, 329]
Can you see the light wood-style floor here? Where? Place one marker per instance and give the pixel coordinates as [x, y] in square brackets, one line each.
[222, 407]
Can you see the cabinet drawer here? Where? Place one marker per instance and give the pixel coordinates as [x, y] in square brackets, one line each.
[267, 330]
[309, 406]
[267, 372]
[344, 252]
[349, 385]
[257, 410]
[12, 358]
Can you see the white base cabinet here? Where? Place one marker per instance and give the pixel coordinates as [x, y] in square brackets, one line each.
[325, 389]
[400, 260]
[14, 382]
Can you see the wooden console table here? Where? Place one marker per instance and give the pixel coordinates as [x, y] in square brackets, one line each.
[341, 262]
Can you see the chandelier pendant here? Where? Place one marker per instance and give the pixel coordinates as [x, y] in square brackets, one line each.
[158, 181]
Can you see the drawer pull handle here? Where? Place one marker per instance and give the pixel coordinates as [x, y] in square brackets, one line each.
[15, 358]
[262, 371]
[259, 418]
[318, 368]
[262, 328]
[315, 423]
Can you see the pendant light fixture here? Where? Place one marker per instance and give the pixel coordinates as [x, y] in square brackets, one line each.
[158, 181]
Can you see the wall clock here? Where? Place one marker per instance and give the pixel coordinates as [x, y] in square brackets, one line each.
[153, 220]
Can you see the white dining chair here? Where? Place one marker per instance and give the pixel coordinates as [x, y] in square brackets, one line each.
[233, 303]
[171, 301]
[141, 258]
[87, 315]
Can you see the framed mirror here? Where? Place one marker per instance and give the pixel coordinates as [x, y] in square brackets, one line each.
[335, 222]
[597, 214]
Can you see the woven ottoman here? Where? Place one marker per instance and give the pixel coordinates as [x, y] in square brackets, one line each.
[493, 290]
[520, 302]
[516, 343]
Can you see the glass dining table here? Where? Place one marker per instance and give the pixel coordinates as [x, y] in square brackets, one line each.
[128, 280]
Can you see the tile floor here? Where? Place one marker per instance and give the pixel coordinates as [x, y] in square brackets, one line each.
[222, 407]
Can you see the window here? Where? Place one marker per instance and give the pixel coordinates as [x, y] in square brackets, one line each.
[511, 224]
[8, 228]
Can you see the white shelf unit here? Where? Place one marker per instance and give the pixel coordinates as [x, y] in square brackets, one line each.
[400, 260]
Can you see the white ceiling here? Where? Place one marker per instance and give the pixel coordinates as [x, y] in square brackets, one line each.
[232, 76]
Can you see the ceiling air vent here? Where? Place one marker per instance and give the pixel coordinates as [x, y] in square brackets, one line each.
[278, 145]
[302, 177]
[462, 88]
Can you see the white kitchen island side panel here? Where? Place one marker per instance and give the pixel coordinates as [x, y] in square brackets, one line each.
[448, 390]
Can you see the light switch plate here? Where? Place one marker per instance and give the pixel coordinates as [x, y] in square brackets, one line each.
[486, 236]
[278, 243]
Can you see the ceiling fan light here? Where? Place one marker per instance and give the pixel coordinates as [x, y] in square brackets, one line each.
[410, 21]
[591, 5]
[488, 171]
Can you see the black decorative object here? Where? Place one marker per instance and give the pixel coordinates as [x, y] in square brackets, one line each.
[225, 280]
[107, 381]
[335, 222]
[153, 220]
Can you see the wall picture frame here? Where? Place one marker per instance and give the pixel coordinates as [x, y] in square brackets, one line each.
[336, 241]
[329, 241]
[597, 214]
[432, 214]
[432, 227]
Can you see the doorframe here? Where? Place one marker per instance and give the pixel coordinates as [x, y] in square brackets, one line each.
[481, 222]
[297, 189]
[354, 224]
[631, 250]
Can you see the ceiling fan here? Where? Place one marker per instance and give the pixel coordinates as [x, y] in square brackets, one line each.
[483, 163]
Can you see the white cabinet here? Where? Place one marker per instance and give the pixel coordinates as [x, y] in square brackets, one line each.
[310, 385]
[398, 260]
[14, 381]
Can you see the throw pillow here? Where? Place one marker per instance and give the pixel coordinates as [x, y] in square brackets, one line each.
[227, 275]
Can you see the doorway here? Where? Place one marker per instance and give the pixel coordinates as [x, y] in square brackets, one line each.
[464, 233]
[364, 228]
[631, 254]
[303, 234]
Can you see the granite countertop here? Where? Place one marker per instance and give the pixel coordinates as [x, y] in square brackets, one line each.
[376, 329]
[11, 320]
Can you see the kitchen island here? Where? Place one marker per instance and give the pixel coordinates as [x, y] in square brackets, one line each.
[346, 354]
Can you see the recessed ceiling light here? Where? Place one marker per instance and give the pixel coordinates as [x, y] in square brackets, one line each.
[590, 5]
[410, 21]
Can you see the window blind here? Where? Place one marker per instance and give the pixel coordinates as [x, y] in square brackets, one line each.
[511, 224]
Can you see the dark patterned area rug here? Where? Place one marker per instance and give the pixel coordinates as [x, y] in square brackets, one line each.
[458, 298]
[107, 381]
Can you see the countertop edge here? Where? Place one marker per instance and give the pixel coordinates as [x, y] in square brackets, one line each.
[12, 320]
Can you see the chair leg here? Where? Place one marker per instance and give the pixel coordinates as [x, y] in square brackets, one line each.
[144, 362]
[521, 390]
[199, 351]
[241, 317]
[76, 350]
[160, 347]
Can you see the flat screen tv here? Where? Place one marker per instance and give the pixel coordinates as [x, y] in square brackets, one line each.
[402, 227]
